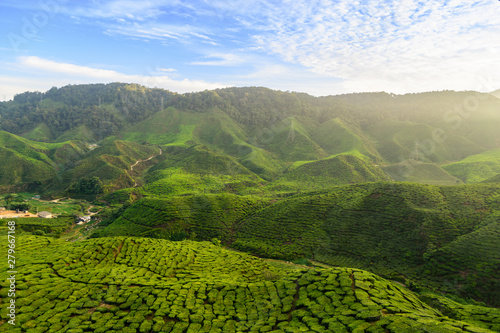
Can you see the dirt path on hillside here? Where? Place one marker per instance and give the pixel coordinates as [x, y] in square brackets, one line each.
[89, 212]
[141, 161]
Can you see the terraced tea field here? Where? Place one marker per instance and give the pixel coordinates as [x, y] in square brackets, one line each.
[445, 238]
[129, 284]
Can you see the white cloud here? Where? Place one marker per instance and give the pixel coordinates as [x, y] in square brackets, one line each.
[11, 85]
[388, 45]
[223, 59]
[160, 32]
[52, 73]
[68, 69]
[167, 70]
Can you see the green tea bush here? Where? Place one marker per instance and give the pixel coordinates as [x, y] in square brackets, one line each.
[130, 284]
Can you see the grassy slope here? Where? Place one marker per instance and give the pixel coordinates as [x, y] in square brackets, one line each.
[337, 170]
[290, 140]
[28, 161]
[40, 133]
[82, 133]
[199, 159]
[145, 285]
[476, 168]
[204, 215]
[169, 126]
[494, 179]
[176, 181]
[384, 228]
[336, 136]
[110, 162]
[315, 132]
[213, 129]
[17, 168]
[420, 172]
[399, 141]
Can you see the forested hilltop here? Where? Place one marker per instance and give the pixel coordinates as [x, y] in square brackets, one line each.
[442, 138]
[403, 186]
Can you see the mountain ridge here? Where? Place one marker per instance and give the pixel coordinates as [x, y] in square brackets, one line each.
[264, 130]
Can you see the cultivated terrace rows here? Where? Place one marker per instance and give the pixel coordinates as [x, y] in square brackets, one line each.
[130, 284]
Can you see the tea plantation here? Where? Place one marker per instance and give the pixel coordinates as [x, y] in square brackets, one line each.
[444, 237]
[129, 284]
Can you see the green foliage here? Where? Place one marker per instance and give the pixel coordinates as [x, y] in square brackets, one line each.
[476, 168]
[326, 173]
[121, 196]
[494, 179]
[22, 206]
[236, 165]
[52, 227]
[335, 136]
[33, 163]
[143, 285]
[482, 317]
[216, 241]
[41, 133]
[404, 140]
[208, 215]
[420, 172]
[251, 131]
[86, 186]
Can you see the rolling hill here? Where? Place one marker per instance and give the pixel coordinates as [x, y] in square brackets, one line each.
[266, 131]
[387, 228]
[420, 172]
[144, 285]
[476, 168]
[326, 173]
[494, 179]
[26, 162]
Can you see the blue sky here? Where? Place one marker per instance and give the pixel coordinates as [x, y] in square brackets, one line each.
[321, 47]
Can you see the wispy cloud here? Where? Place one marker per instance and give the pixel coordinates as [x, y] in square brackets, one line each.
[396, 45]
[374, 43]
[167, 70]
[120, 9]
[68, 69]
[183, 34]
[330, 46]
[220, 59]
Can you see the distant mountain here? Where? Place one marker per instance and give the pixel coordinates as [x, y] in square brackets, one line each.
[259, 132]
[496, 93]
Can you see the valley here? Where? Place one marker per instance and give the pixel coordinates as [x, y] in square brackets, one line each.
[252, 210]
